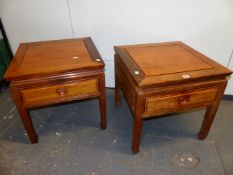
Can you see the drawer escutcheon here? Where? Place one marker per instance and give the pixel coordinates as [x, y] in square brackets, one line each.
[62, 91]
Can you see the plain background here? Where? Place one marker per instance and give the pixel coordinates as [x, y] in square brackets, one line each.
[204, 25]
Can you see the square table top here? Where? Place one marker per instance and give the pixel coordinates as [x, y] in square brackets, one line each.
[37, 59]
[167, 62]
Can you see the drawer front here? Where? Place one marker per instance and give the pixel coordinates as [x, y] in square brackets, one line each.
[180, 100]
[59, 92]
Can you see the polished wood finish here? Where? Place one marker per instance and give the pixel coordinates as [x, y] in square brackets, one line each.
[172, 101]
[168, 77]
[158, 79]
[51, 57]
[50, 72]
[155, 60]
[58, 92]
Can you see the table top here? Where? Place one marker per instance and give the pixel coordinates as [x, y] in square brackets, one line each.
[167, 62]
[53, 57]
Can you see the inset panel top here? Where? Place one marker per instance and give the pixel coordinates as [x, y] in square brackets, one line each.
[52, 57]
[165, 59]
[167, 62]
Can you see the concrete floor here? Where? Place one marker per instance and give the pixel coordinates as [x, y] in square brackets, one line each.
[70, 141]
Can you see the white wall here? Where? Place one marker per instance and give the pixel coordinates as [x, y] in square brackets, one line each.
[34, 20]
[204, 25]
[229, 42]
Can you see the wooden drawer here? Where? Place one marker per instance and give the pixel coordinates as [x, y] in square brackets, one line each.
[180, 100]
[59, 92]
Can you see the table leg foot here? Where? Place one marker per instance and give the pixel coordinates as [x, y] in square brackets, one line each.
[102, 104]
[103, 126]
[34, 139]
[207, 121]
[24, 114]
[201, 136]
[135, 150]
[137, 129]
[29, 128]
[103, 123]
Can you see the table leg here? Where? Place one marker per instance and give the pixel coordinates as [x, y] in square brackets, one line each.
[102, 103]
[24, 114]
[210, 113]
[207, 122]
[137, 130]
[117, 91]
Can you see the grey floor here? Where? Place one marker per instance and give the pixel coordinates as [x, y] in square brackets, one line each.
[71, 142]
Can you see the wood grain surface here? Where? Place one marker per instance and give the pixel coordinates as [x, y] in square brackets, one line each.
[166, 63]
[178, 100]
[163, 78]
[51, 72]
[51, 57]
[165, 59]
[52, 93]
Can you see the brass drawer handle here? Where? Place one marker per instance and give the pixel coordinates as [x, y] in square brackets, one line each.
[183, 100]
[62, 91]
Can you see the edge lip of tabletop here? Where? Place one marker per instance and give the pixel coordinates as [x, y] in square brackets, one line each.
[222, 71]
[97, 70]
[190, 81]
[13, 70]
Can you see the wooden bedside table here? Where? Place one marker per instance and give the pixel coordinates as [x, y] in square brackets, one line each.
[167, 77]
[51, 72]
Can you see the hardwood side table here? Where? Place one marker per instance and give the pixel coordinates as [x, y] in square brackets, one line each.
[51, 72]
[168, 77]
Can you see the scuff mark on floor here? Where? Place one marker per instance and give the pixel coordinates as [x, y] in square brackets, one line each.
[12, 109]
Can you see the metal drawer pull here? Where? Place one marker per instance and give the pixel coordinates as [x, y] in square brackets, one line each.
[183, 100]
[62, 91]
